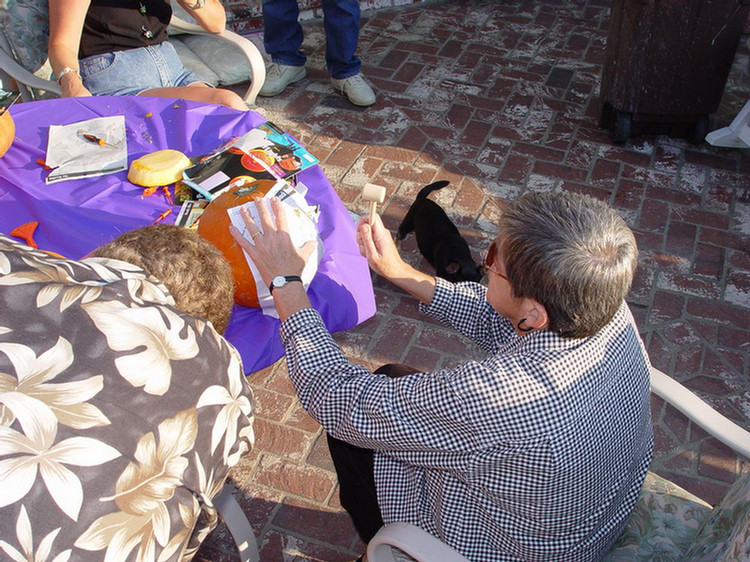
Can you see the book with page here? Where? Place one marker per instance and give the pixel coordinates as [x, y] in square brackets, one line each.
[265, 152]
[7, 99]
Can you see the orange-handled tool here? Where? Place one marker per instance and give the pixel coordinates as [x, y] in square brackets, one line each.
[163, 216]
[94, 139]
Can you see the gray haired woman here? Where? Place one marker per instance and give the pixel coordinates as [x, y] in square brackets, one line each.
[535, 451]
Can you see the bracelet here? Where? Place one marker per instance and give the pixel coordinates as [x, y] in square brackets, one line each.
[64, 71]
[198, 4]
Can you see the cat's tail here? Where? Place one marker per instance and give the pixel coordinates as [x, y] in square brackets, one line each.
[407, 224]
[426, 190]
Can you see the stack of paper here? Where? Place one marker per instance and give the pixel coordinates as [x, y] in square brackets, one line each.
[302, 220]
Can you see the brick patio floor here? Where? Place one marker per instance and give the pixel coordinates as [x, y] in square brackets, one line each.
[501, 98]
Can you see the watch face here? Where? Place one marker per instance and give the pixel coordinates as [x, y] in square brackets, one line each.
[279, 281]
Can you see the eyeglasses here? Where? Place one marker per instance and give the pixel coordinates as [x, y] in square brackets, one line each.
[488, 260]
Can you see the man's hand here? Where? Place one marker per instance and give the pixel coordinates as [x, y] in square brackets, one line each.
[274, 254]
[377, 245]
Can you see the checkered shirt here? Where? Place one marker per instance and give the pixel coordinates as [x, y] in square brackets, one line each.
[536, 452]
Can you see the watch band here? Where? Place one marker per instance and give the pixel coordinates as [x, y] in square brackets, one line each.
[286, 279]
[197, 5]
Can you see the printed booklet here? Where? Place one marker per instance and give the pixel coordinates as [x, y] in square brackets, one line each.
[265, 152]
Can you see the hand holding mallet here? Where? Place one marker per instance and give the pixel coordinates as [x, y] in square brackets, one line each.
[374, 194]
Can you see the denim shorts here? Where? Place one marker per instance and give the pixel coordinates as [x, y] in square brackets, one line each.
[135, 70]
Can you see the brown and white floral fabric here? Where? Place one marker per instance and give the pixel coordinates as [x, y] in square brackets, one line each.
[120, 415]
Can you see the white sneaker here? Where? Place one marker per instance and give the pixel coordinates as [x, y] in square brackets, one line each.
[279, 76]
[356, 89]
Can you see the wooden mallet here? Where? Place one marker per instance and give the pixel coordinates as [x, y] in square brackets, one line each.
[374, 194]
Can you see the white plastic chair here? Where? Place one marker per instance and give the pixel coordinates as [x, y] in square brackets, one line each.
[417, 544]
[737, 134]
[23, 64]
[424, 547]
[239, 527]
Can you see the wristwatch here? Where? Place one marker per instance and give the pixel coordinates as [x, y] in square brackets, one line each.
[281, 280]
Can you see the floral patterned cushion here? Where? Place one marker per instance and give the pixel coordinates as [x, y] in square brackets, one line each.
[215, 61]
[670, 524]
[725, 536]
[192, 61]
[663, 525]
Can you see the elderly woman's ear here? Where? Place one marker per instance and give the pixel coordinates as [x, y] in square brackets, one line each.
[534, 316]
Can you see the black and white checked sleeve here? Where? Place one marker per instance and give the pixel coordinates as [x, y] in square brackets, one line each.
[464, 306]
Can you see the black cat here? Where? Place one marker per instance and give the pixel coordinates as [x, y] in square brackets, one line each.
[438, 238]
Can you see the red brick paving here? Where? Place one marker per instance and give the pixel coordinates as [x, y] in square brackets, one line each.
[500, 98]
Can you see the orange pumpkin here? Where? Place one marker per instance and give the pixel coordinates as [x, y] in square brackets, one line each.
[214, 227]
[7, 132]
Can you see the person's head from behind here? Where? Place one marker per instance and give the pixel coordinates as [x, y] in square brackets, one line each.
[572, 253]
[192, 269]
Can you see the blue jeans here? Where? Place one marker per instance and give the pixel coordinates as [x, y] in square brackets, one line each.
[283, 36]
[128, 73]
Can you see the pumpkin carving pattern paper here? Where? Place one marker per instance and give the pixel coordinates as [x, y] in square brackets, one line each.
[302, 220]
[214, 227]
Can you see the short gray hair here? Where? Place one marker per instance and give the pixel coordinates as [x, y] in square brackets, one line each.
[573, 254]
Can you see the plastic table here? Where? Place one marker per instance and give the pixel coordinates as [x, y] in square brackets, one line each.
[76, 216]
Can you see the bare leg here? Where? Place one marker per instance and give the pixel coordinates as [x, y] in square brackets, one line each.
[202, 93]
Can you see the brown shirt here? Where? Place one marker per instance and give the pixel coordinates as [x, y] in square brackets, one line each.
[120, 415]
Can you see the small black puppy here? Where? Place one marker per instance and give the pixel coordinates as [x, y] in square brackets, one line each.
[438, 238]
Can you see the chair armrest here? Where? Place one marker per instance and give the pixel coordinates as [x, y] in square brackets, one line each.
[415, 542]
[700, 413]
[23, 77]
[254, 58]
[239, 527]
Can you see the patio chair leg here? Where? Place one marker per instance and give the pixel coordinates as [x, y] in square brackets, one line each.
[235, 519]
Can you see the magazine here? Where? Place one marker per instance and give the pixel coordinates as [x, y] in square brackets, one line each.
[265, 152]
[190, 213]
[7, 99]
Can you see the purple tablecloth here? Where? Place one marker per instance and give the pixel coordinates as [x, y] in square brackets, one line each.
[76, 216]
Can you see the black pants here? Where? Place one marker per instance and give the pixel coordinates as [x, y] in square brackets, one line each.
[354, 468]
